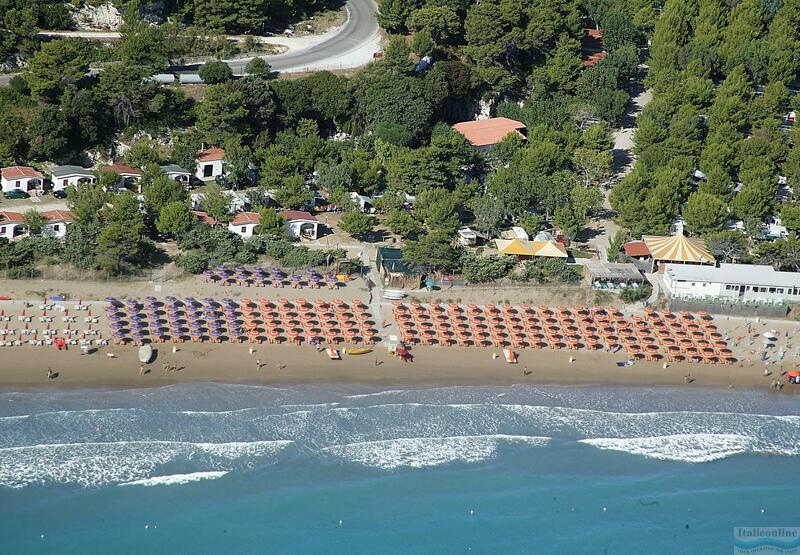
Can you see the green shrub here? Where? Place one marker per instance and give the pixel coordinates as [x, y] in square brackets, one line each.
[481, 269]
[549, 270]
[634, 295]
[193, 262]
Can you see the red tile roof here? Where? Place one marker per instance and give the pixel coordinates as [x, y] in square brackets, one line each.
[120, 169]
[245, 218]
[593, 59]
[205, 218]
[56, 216]
[15, 172]
[489, 131]
[636, 249]
[210, 155]
[10, 217]
[290, 215]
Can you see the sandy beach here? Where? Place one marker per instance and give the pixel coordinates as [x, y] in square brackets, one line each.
[285, 364]
[26, 366]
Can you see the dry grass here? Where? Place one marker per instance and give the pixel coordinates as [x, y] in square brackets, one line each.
[321, 22]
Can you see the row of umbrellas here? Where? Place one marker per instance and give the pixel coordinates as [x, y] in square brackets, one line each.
[152, 320]
[681, 336]
[302, 321]
[261, 277]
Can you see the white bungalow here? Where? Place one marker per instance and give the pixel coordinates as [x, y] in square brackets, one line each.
[129, 178]
[12, 225]
[244, 223]
[21, 178]
[173, 171]
[300, 224]
[70, 176]
[57, 223]
[210, 163]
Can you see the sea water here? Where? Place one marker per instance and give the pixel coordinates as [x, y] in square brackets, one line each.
[210, 468]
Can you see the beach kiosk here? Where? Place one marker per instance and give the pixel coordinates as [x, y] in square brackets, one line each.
[396, 272]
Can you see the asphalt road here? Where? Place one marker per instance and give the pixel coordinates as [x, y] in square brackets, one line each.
[352, 46]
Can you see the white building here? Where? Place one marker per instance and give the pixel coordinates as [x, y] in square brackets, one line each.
[21, 178]
[300, 224]
[736, 282]
[12, 225]
[129, 178]
[210, 163]
[244, 223]
[57, 222]
[70, 176]
[177, 173]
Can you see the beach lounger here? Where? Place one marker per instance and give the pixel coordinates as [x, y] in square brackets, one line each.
[511, 358]
[333, 354]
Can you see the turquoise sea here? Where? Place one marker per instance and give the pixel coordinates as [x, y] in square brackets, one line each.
[211, 468]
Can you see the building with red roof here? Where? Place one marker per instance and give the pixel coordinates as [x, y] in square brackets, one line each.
[57, 222]
[637, 249]
[21, 178]
[244, 224]
[129, 178]
[210, 163]
[485, 133]
[301, 224]
[12, 225]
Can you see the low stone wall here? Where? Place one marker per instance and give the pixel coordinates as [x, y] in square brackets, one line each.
[731, 309]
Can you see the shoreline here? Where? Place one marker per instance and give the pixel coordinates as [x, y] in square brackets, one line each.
[293, 365]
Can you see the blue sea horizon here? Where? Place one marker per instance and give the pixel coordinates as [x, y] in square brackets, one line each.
[208, 467]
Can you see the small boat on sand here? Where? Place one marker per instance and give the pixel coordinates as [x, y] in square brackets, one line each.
[511, 358]
[358, 351]
[333, 354]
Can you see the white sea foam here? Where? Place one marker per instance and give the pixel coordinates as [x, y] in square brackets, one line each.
[94, 464]
[177, 479]
[422, 452]
[693, 448]
[376, 394]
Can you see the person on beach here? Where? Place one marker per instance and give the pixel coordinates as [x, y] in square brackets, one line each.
[141, 369]
[49, 373]
[280, 365]
[165, 367]
[258, 364]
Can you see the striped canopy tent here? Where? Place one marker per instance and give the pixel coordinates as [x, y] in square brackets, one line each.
[678, 249]
[516, 247]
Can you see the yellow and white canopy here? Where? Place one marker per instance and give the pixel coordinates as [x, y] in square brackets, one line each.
[523, 247]
[678, 248]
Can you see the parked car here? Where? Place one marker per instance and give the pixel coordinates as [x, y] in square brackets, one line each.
[60, 193]
[16, 193]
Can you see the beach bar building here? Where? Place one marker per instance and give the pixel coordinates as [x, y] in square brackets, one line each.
[734, 283]
[677, 249]
[396, 272]
[605, 275]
